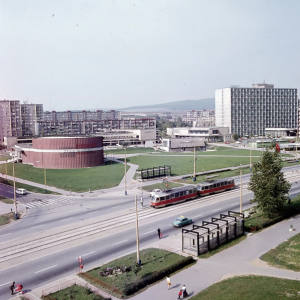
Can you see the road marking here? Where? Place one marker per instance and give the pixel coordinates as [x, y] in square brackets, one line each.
[149, 232]
[67, 219]
[88, 253]
[92, 212]
[216, 209]
[120, 242]
[115, 206]
[37, 226]
[5, 234]
[45, 269]
[5, 283]
[197, 216]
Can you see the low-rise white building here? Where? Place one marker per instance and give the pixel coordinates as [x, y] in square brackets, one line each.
[210, 134]
[183, 144]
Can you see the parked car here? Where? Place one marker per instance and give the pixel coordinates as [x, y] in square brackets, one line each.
[182, 221]
[21, 191]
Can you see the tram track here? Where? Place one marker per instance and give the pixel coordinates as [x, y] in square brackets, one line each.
[35, 245]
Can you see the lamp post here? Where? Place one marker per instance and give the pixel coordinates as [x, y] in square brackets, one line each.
[251, 157]
[45, 180]
[137, 234]
[15, 198]
[241, 198]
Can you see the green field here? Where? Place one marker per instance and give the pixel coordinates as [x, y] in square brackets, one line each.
[182, 165]
[285, 255]
[76, 180]
[129, 151]
[76, 292]
[2, 158]
[250, 288]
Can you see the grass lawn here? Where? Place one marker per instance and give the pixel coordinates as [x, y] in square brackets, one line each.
[2, 158]
[223, 247]
[285, 255]
[76, 292]
[258, 219]
[182, 165]
[152, 259]
[129, 151]
[162, 185]
[7, 218]
[250, 288]
[5, 200]
[76, 180]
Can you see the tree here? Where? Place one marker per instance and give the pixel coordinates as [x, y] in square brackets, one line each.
[235, 136]
[268, 184]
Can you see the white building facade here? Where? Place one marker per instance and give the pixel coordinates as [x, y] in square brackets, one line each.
[249, 111]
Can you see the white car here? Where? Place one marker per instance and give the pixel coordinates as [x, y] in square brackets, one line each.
[21, 191]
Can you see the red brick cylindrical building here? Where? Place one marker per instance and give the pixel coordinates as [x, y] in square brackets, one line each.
[64, 152]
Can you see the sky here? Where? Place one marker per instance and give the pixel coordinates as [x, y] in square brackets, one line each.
[69, 54]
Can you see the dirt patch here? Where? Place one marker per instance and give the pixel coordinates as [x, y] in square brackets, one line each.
[260, 263]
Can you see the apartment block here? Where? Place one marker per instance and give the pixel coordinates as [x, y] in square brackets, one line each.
[205, 117]
[10, 119]
[249, 111]
[30, 115]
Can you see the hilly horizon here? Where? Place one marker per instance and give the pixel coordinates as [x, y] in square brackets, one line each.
[183, 105]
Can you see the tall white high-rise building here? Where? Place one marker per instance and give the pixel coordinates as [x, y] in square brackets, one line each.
[249, 111]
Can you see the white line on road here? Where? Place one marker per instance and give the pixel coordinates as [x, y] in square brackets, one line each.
[92, 212]
[37, 226]
[115, 206]
[197, 216]
[45, 269]
[120, 242]
[67, 219]
[5, 283]
[88, 253]
[149, 232]
[216, 209]
[5, 234]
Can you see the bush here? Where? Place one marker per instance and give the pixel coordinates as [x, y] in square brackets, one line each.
[156, 276]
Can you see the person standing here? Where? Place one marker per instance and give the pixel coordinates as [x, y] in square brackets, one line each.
[142, 201]
[168, 282]
[179, 295]
[158, 232]
[12, 287]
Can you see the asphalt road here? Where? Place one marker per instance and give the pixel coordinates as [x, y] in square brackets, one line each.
[40, 271]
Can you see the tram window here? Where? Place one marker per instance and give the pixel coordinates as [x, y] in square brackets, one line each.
[218, 184]
[222, 183]
[206, 187]
[191, 191]
[162, 198]
[181, 193]
[225, 182]
[167, 197]
[177, 195]
[186, 192]
[172, 196]
[214, 185]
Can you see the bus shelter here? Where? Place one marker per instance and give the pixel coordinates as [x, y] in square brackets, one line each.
[211, 235]
[154, 172]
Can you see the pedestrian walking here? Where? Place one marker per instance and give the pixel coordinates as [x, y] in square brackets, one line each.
[142, 201]
[12, 288]
[158, 232]
[168, 282]
[184, 291]
[179, 295]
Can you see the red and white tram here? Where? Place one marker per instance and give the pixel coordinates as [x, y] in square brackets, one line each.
[172, 196]
[160, 198]
[215, 186]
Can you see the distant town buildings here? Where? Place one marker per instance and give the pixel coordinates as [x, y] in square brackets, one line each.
[203, 118]
[249, 111]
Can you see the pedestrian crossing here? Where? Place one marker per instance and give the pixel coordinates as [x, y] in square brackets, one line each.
[65, 200]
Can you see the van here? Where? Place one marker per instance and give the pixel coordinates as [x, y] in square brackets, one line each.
[21, 191]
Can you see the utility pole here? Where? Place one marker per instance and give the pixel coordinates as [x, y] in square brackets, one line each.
[137, 233]
[194, 177]
[125, 172]
[251, 158]
[241, 185]
[15, 198]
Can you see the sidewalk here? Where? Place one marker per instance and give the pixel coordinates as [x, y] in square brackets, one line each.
[238, 260]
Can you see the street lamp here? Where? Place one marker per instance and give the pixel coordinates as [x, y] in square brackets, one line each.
[125, 145]
[44, 173]
[15, 199]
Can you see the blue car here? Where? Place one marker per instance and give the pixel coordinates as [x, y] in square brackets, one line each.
[182, 221]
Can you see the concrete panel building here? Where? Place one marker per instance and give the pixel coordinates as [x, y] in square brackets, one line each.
[249, 111]
[63, 152]
[30, 115]
[183, 144]
[10, 119]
